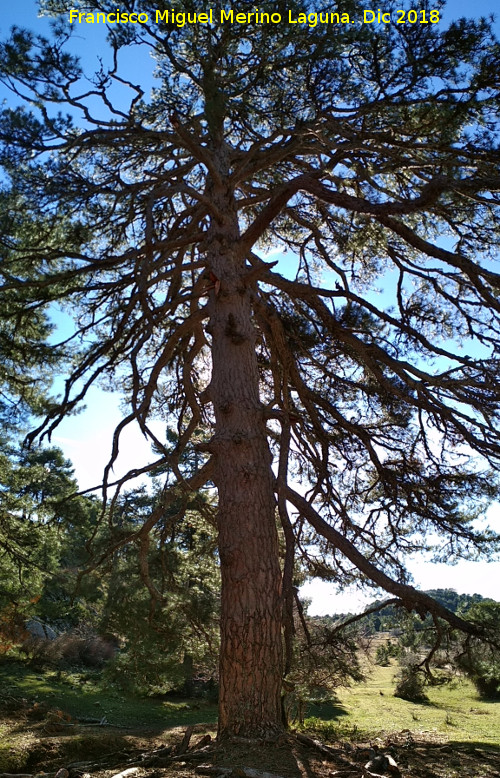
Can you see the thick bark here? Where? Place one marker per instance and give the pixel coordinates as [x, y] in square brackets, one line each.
[251, 646]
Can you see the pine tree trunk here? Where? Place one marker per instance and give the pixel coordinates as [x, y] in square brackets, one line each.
[251, 644]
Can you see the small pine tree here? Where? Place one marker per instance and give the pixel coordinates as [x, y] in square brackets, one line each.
[481, 661]
[410, 681]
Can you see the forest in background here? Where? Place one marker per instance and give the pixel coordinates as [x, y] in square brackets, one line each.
[68, 600]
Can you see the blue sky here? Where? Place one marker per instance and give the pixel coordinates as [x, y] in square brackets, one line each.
[86, 438]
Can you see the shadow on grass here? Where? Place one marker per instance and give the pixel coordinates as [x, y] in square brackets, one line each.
[428, 760]
[476, 745]
[425, 702]
[82, 696]
[327, 711]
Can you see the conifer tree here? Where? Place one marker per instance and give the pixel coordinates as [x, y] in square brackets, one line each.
[368, 152]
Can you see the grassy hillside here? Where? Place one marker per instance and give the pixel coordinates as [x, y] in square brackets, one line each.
[454, 711]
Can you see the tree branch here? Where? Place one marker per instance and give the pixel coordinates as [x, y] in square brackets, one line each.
[412, 598]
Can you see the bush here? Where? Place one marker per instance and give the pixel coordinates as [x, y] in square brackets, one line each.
[385, 652]
[71, 648]
[488, 687]
[410, 681]
[484, 671]
[382, 656]
[481, 660]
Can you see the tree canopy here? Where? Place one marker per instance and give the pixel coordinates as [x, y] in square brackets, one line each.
[366, 153]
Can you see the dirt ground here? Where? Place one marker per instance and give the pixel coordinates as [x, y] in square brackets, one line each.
[148, 756]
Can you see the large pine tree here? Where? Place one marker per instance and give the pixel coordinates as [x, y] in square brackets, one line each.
[370, 153]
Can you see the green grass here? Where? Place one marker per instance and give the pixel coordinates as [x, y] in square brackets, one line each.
[81, 694]
[454, 712]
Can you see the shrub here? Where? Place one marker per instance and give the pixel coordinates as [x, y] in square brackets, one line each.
[481, 660]
[71, 648]
[410, 681]
[484, 673]
[385, 652]
[382, 656]
[488, 687]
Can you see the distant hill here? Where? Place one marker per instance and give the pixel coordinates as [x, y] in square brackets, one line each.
[454, 601]
[389, 617]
